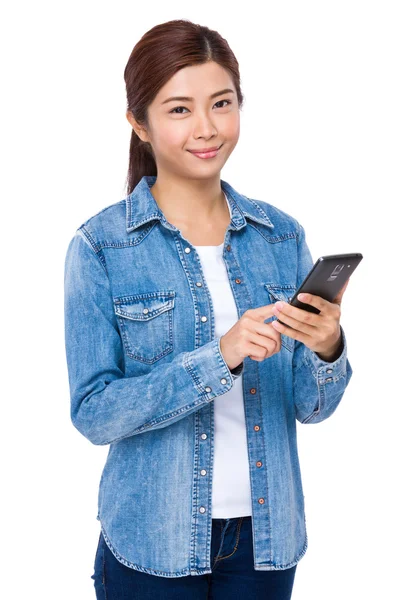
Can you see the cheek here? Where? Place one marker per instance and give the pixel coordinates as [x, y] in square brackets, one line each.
[170, 139]
[231, 128]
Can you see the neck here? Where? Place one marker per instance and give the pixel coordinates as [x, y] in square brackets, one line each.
[198, 200]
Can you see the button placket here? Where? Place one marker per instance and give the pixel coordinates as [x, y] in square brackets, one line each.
[203, 305]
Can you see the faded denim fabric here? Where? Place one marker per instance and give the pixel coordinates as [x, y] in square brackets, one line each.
[144, 367]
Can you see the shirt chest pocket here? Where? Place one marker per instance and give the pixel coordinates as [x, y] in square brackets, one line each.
[282, 292]
[146, 324]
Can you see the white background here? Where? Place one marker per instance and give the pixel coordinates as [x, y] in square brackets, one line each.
[330, 134]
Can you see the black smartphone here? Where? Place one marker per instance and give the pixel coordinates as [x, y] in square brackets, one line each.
[326, 278]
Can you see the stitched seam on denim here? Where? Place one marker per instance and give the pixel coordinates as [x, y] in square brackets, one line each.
[274, 239]
[221, 541]
[91, 243]
[321, 402]
[259, 387]
[103, 568]
[238, 530]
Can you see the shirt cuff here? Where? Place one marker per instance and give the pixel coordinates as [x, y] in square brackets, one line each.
[333, 368]
[209, 370]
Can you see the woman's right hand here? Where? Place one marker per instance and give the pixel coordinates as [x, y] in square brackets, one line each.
[250, 336]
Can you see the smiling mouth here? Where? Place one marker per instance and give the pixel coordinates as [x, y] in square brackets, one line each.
[206, 153]
[204, 150]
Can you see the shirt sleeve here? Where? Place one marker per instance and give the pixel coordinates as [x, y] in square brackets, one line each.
[318, 385]
[105, 404]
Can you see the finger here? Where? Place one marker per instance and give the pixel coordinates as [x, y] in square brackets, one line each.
[265, 330]
[313, 300]
[298, 319]
[296, 335]
[263, 340]
[263, 312]
[256, 351]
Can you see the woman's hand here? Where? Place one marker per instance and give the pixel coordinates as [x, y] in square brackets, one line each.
[250, 336]
[319, 332]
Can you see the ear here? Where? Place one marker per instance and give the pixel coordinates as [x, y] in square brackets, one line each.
[140, 131]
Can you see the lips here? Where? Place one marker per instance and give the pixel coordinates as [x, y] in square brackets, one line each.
[206, 152]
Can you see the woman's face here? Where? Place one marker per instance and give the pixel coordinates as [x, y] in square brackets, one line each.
[176, 127]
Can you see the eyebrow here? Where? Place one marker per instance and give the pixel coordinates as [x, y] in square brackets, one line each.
[189, 99]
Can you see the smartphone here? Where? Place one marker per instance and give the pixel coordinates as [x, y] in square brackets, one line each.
[326, 278]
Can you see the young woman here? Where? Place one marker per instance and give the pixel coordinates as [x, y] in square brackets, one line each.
[175, 356]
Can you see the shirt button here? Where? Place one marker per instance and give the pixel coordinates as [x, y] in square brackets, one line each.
[228, 247]
[261, 500]
[329, 370]
[198, 284]
[203, 472]
[253, 391]
[224, 381]
[256, 427]
[202, 509]
[208, 388]
[204, 319]
[204, 436]
[187, 250]
[145, 311]
[259, 463]
[237, 281]
[329, 379]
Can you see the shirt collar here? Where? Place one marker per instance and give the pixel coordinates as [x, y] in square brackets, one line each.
[141, 207]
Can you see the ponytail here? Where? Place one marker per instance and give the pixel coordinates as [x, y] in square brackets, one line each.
[141, 162]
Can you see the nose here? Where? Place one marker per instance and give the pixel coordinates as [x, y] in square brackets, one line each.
[204, 126]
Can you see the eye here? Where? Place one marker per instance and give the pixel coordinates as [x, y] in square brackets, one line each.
[228, 101]
[177, 107]
[174, 109]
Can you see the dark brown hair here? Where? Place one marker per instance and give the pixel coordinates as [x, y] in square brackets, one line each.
[157, 56]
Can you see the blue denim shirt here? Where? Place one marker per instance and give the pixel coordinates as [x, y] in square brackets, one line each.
[144, 366]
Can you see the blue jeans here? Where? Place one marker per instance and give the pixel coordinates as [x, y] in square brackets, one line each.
[233, 575]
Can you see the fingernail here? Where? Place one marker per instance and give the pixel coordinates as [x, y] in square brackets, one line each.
[279, 304]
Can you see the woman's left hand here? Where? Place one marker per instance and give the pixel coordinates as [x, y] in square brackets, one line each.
[319, 332]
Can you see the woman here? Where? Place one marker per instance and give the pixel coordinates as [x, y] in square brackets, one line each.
[175, 356]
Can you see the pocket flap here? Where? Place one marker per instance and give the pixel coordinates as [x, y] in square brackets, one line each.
[280, 292]
[142, 307]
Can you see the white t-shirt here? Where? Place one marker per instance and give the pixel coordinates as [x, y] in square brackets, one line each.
[231, 495]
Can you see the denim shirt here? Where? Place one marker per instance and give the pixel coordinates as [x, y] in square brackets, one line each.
[144, 366]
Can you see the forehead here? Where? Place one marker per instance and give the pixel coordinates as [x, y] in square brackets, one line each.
[198, 81]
